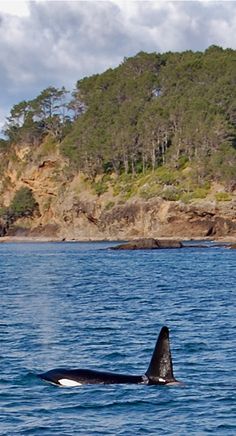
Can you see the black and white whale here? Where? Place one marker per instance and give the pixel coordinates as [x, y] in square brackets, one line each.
[159, 372]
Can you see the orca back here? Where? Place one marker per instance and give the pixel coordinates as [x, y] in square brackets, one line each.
[75, 377]
[160, 369]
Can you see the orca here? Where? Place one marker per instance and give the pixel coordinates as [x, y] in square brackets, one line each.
[159, 372]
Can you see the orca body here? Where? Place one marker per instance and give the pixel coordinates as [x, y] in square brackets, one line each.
[159, 372]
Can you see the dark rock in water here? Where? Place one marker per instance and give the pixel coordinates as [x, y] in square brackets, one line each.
[169, 243]
[148, 244]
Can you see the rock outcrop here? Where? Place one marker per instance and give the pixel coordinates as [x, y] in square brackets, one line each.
[69, 208]
[148, 244]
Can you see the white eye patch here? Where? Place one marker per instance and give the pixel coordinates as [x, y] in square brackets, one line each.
[67, 382]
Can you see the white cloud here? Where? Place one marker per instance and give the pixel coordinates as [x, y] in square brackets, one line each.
[14, 7]
[45, 43]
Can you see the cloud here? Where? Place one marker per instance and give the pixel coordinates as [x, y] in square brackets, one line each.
[14, 7]
[56, 43]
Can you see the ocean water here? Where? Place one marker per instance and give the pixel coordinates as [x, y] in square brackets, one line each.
[82, 305]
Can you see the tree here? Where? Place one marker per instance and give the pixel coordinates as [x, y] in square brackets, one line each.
[152, 110]
[50, 109]
[23, 204]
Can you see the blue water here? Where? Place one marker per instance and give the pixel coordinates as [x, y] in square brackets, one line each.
[81, 305]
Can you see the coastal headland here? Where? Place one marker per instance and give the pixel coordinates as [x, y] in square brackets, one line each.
[144, 150]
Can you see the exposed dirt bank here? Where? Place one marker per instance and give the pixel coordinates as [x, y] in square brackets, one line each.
[70, 209]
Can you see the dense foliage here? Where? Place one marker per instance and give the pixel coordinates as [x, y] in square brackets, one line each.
[30, 121]
[22, 205]
[175, 110]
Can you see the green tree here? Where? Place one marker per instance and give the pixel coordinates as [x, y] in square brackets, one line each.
[23, 203]
[152, 110]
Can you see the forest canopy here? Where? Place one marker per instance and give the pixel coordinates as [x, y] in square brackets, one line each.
[154, 110]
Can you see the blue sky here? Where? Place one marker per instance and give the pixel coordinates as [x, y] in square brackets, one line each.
[54, 43]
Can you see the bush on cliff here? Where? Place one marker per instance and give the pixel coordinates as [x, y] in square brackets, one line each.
[23, 205]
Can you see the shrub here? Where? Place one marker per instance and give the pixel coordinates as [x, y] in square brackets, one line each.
[23, 203]
[183, 161]
[171, 194]
[223, 196]
[150, 191]
[167, 176]
[186, 197]
[200, 193]
[100, 187]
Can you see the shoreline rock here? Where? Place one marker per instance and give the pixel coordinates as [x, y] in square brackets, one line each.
[149, 244]
[160, 243]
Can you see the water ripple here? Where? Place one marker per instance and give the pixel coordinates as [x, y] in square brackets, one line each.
[81, 305]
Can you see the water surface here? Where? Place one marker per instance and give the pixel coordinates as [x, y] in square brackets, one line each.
[82, 305]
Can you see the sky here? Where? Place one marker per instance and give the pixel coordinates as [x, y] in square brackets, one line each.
[57, 42]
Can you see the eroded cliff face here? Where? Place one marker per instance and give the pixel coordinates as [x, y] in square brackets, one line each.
[70, 209]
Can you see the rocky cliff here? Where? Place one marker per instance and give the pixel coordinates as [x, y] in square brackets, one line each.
[71, 208]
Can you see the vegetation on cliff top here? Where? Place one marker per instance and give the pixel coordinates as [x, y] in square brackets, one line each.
[171, 114]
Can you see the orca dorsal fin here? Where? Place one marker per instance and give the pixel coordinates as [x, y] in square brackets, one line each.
[161, 368]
